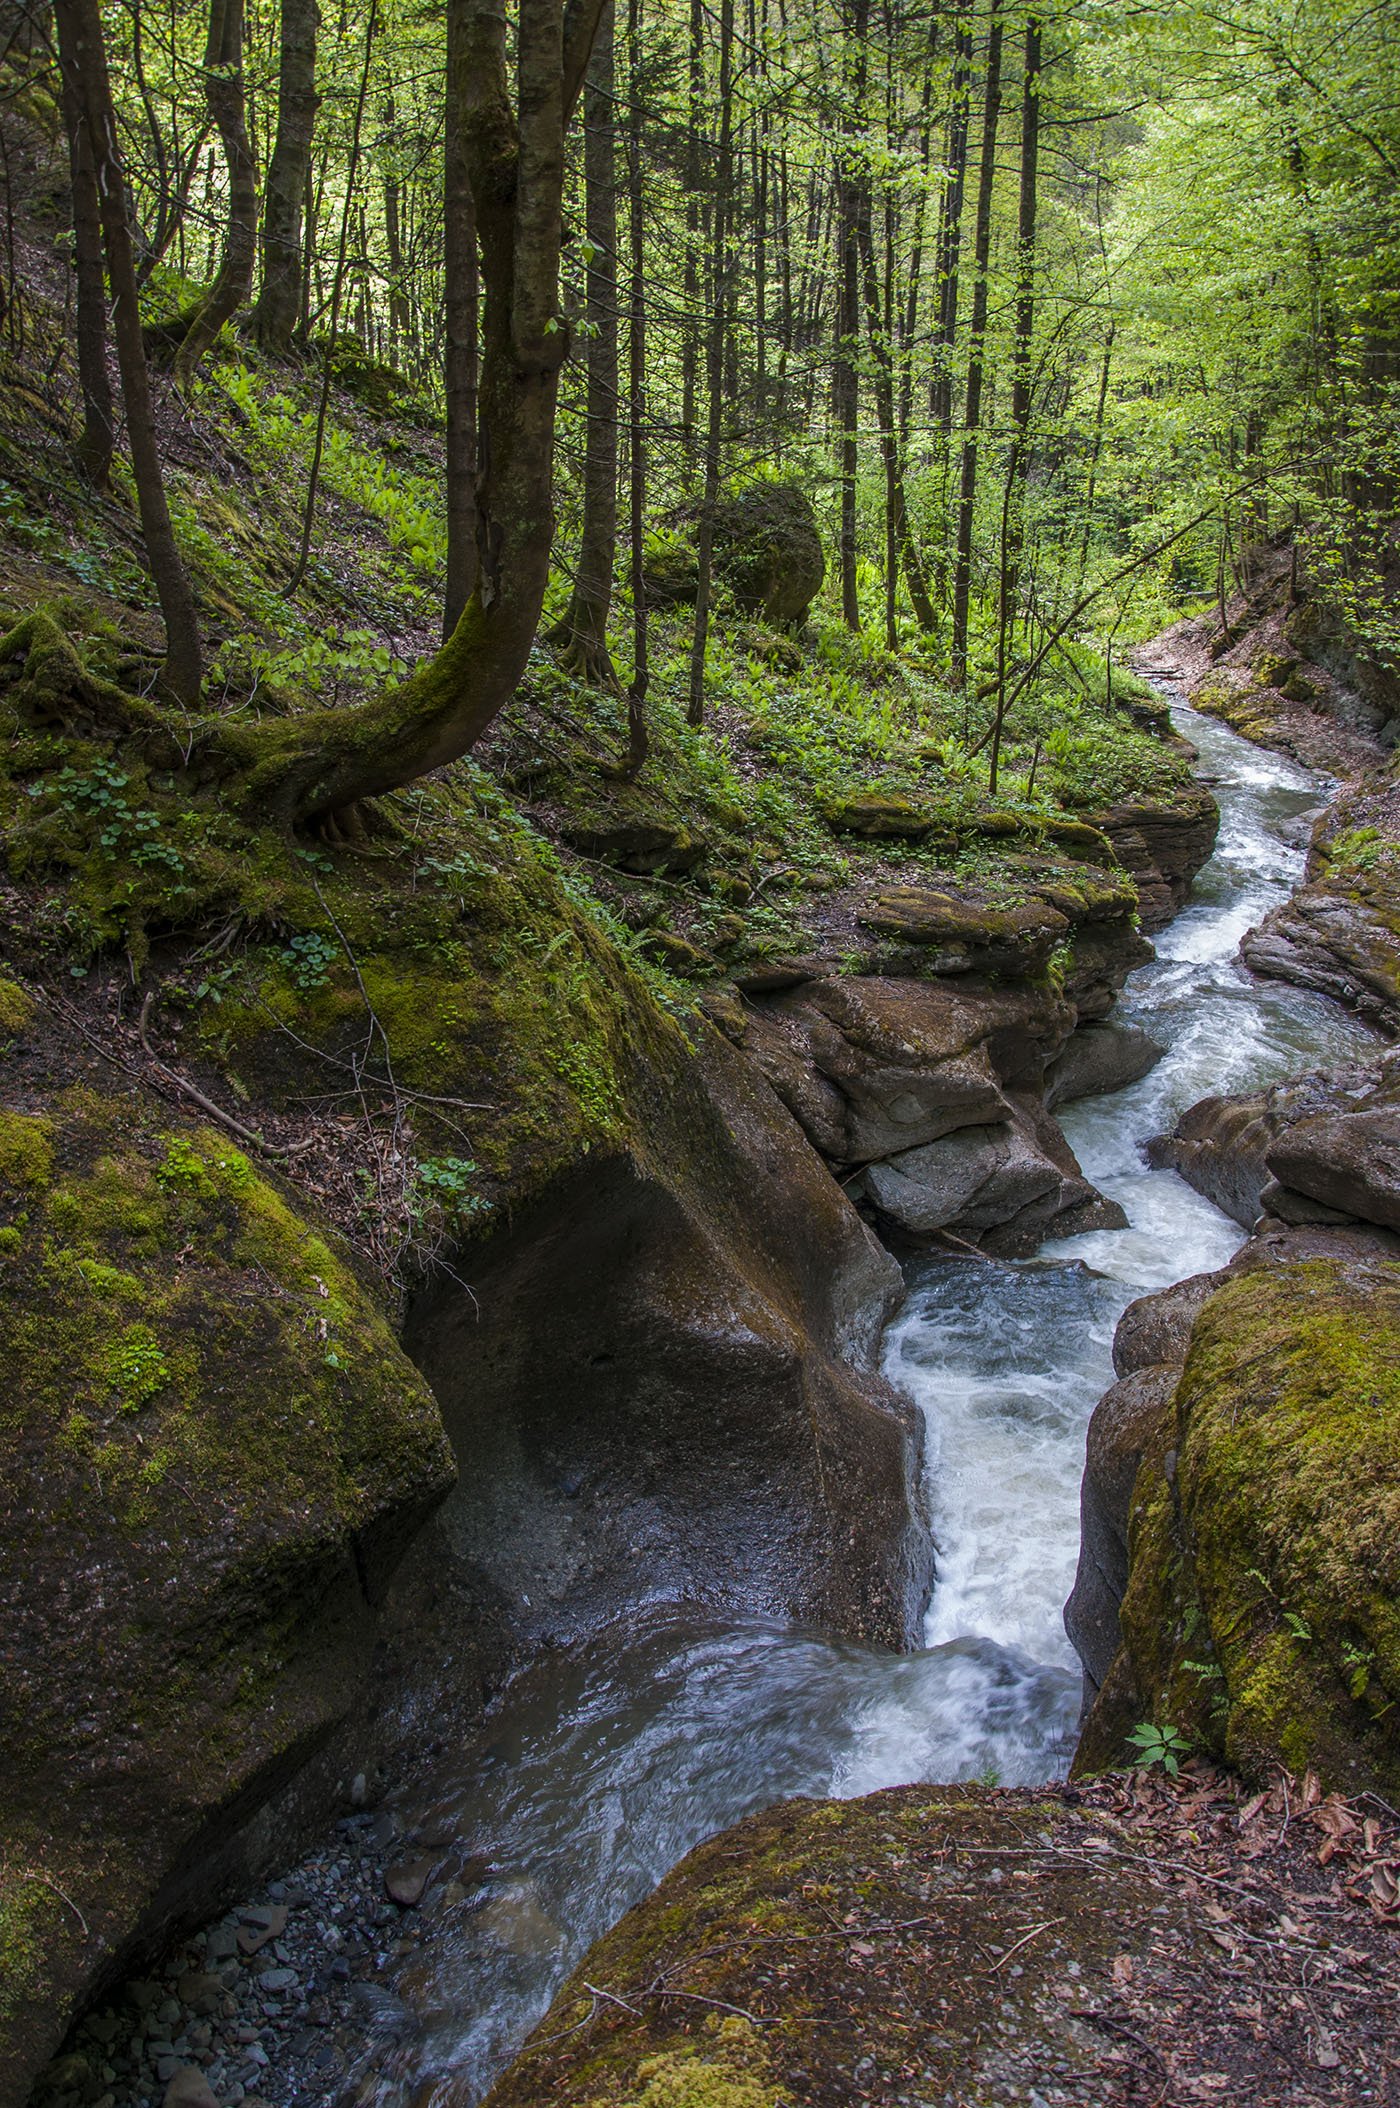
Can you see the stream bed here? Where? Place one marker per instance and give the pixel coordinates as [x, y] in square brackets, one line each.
[610, 1762]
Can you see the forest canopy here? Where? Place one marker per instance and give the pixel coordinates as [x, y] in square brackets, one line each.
[1045, 321]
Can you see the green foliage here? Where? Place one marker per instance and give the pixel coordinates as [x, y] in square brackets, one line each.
[1154, 1745]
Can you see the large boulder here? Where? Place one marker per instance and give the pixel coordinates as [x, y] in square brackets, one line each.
[212, 1454]
[1162, 843]
[1005, 1187]
[1148, 1350]
[766, 548]
[1261, 1613]
[1322, 1148]
[1339, 934]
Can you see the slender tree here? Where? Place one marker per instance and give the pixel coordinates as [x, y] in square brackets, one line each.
[279, 305]
[224, 93]
[583, 632]
[96, 440]
[462, 321]
[976, 355]
[84, 58]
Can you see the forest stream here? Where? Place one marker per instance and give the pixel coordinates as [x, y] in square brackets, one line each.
[607, 1764]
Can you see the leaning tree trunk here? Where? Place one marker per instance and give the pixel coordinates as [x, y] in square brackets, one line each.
[279, 303]
[223, 91]
[95, 442]
[583, 632]
[79, 24]
[306, 768]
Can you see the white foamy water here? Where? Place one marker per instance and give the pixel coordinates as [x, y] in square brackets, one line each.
[608, 1764]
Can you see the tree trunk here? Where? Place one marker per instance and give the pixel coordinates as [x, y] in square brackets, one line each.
[308, 767]
[79, 26]
[852, 205]
[714, 363]
[637, 739]
[95, 442]
[950, 226]
[280, 301]
[223, 89]
[583, 632]
[972, 414]
[1018, 465]
[462, 321]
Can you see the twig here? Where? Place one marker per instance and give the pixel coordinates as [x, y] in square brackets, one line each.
[1025, 1938]
[216, 1112]
[32, 1874]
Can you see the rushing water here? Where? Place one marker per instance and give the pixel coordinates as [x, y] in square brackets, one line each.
[610, 1763]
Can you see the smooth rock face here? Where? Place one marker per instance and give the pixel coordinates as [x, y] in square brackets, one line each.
[995, 1186]
[1100, 1058]
[1149, 1348]
[1348, 1160]
[658, 1390]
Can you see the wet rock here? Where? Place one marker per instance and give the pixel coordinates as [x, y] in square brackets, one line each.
[766, 548]
[405, 1881]
[871, 1066]
[1347, 1159]
[1258, 1607]
[189, 2088]
[201, 1991]
[1221, 1145]
[996, 1187]
[303, 1514]
[1100, 1058]
[1162, 846]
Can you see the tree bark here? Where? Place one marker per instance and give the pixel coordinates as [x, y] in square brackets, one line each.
[950, 227]
[305, 768]
[462, 324]
[972, 414]
[852, 203]
[714, 365]
[583, 632]
[1018, 463]
[97, 438]
[637, 736]
[279, 306]
[79, 25]
[223, 90]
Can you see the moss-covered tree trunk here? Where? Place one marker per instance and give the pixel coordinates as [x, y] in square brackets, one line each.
[323, 762]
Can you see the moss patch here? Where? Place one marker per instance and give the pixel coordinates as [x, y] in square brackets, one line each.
[1262, 1614]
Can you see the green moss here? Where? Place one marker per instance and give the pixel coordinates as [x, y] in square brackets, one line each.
[1268, 1554]
[26, 1151]
[726, 2073]
[16, 1008]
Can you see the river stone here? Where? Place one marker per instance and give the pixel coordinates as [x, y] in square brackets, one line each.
[405, 1881]
[188, 2088]
[1101, 1058]
[997, 1186]
[1347, 1160]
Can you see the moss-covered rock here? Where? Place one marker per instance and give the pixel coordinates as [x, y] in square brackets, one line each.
[1262, 1610]
[212, 1452]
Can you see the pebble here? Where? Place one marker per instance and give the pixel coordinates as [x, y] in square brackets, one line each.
[273, 2004]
